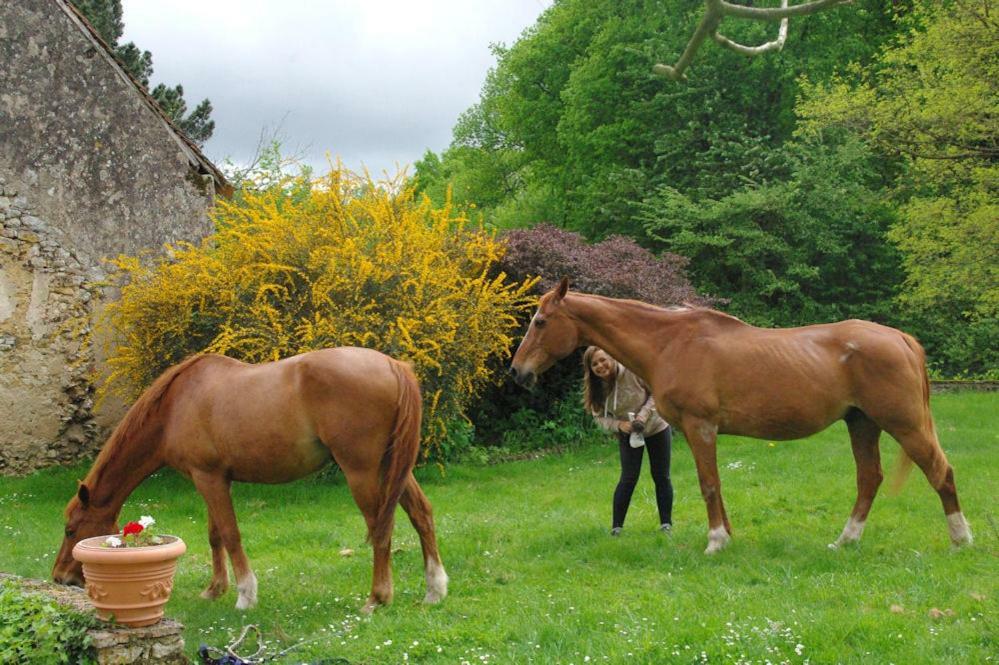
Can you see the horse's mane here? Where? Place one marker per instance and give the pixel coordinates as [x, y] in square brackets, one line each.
[713, 314]
[139, 414]
[698, 310]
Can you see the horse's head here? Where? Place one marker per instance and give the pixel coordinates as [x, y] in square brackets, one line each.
[551, 336]
[82, 521]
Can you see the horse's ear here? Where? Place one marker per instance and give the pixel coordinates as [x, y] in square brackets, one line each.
[83, 494]
[562, 288]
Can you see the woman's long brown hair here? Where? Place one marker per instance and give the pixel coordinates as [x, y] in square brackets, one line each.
[594, 388]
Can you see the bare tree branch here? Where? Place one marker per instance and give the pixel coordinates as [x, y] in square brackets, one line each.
[777, 13]
[774, 45]
[716, 10]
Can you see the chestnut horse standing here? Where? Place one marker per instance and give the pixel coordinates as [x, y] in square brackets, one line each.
[712, 374]
[216, 420]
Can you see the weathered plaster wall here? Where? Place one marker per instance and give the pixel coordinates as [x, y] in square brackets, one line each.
[87, 170]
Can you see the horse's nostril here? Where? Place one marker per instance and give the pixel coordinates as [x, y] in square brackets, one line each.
[513, 372]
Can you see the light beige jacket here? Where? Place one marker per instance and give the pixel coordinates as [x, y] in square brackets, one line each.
[630, 394]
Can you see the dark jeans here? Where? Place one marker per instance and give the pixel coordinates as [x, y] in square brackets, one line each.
[658, 446]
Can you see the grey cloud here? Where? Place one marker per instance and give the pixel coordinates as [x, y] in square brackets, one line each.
[376, 82]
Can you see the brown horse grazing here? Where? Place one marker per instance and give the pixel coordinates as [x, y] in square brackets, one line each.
[712, 374]
[216, 420]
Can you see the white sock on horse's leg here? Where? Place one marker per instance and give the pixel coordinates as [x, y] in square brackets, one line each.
[247, 588]
[437, 580]
[960, 531]
[717, 539]
[851, 533]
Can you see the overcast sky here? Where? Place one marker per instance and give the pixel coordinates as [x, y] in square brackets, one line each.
[376, 82]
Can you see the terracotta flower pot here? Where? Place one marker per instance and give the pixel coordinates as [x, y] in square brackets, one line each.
[129, 584]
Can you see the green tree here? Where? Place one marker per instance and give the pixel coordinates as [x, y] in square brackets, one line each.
[798, 250]
[106, 18]
[572, 126]
[932, 100]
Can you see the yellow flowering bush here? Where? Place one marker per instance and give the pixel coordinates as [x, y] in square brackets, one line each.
[349, 263]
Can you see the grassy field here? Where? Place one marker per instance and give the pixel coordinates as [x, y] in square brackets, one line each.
[535, 577]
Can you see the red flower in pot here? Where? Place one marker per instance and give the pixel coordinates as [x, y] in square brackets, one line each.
[129, 576]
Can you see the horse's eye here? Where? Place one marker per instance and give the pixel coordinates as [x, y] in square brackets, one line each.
[69, 532]
[539, 323]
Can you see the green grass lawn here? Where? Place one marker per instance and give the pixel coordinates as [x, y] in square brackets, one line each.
[535, 577]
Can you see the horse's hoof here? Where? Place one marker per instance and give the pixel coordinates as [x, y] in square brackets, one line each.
[212, 593]
[437, 581]
[247, 592]
[433, 597]
[961, 543]
[717, 540]
[369, 607]
[960, 531]
[842, 543]
[243, 603]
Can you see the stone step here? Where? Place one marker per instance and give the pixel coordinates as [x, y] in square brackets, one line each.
[159, 644]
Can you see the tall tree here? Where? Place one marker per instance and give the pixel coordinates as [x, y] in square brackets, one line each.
[573, 127]
[932, 100]
[716, 10]
[106, 17]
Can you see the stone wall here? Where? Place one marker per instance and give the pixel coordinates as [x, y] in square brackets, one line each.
[46, 294]
[88, 169]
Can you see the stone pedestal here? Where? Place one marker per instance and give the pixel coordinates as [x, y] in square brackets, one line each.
[159, 644]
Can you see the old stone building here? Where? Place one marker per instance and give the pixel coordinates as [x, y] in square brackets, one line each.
[89, 168]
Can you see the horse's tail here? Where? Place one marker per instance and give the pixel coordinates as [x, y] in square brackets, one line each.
[400, 455]
[904, 463]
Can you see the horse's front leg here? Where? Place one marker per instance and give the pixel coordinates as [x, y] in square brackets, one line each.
[220, 573]
[701, 436]
[215, 490]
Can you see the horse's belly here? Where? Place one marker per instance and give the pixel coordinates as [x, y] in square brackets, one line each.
[279, 463]
[782, 420]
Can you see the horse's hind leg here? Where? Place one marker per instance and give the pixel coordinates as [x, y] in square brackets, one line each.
[701, 436]
[416, 505]
[220, 573]
[923, 448]
[864, 435]
[365, 487]
[215, 490]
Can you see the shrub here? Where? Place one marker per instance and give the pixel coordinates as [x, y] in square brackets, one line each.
[617, 267]
[343, 262]
[35, 630]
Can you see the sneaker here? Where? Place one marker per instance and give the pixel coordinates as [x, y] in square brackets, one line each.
[616, 531]
[666, 528]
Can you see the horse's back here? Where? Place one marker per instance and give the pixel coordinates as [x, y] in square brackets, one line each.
[277, 421]
[785, 383]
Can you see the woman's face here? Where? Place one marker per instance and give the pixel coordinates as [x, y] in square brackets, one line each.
[602, 365]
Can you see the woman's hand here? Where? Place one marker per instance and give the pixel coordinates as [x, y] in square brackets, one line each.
[637, 425]
[624, 426]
